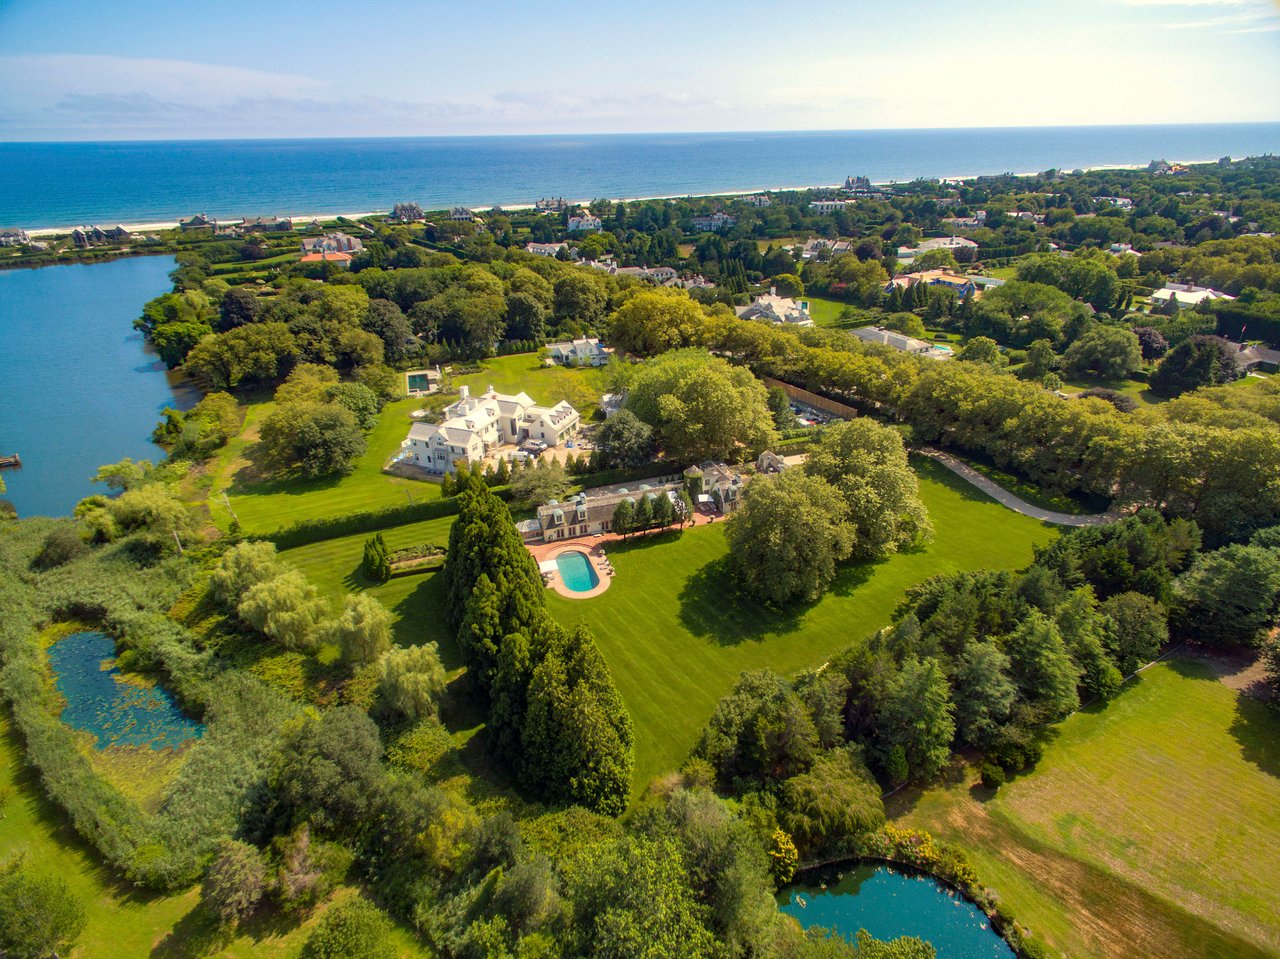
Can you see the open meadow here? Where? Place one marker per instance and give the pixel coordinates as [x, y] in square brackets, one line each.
[1149, 828]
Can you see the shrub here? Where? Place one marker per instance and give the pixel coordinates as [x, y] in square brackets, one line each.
[355, 929]
[993, 777]
[61, 546]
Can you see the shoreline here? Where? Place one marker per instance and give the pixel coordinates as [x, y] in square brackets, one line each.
[154, 226]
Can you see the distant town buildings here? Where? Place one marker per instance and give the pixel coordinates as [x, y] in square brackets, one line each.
[476, 426]
[267, 224]
[900, 342]
[407, 213]
[332, 243]
[779, 310]
[584, 222]
[714, 223]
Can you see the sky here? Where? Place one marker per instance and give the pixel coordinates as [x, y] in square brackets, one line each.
[148, 69]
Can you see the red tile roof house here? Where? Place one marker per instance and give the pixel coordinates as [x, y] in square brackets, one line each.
[342, 259]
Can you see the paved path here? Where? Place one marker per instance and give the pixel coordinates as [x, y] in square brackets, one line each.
[1005, 498]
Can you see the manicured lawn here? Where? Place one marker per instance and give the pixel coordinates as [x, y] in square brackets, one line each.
[263, 505]
[1148, 829]
[545, 384]
[1135, 388]
[676, 633]
[826, 312]
[415, 602]
[123, 921]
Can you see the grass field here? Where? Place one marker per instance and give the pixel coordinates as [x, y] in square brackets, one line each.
[1150, 827]
[416, 602]
[263, 505]
[826, 312]
[124, 923]
[676, 633]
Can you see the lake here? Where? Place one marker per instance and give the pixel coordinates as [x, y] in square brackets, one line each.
[889, 904]
[77, 387]
[115, 711]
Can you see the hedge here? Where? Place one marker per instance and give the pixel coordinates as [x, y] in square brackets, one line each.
[369, 521]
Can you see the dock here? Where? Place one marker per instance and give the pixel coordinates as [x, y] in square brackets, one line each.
[10, 462]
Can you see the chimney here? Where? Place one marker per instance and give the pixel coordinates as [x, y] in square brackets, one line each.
[773, 291]
[464, 392]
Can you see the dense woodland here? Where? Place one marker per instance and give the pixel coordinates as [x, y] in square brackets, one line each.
[317, 771]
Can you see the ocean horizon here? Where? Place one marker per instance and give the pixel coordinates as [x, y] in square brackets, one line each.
[65, 184]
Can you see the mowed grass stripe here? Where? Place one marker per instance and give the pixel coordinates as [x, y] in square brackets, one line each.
[676, 632]
[1149, 827]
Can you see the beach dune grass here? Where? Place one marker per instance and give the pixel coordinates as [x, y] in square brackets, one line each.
[1148, 829]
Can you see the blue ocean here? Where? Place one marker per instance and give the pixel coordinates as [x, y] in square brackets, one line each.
[65, 184]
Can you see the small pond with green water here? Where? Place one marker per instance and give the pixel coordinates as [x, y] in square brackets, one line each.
[888, 904]
[100, 701]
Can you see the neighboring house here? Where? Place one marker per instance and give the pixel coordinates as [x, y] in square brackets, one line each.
[654, 274]
[462, 214]
[758, 200]
[118, 234]
[909, 253]
[422, 382]
[1119, 202]
[983, 283]
[1122, 249]
[14, 237]
[714, 223]
[963, 285]
[611, 403]
[332, 243]
[267, 224]
[858, 184]
[818, 246]
[587, 351]
[829, 206]
[475, 426]
[779, 310]
[341, 259]
[1187, 294]
[407, 213]
[553, 205]
[965, 222]
[714, 484]
[196, 222]
[87, 236]
[900, 342]
[584, 222]
[545, 249]
[590, 513]
[768, 462]
[1259, 357]
[695, 282]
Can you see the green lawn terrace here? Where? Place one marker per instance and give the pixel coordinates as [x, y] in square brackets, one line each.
[264, 504]
[1149, 828]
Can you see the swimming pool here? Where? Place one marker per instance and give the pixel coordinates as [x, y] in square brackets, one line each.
[576, 571]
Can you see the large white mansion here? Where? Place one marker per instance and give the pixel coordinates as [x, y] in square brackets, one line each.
[474, 426]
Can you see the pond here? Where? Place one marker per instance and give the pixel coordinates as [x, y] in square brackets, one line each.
[101, 701]
[888, 904]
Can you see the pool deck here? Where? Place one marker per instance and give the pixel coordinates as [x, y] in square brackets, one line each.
[595, 556]
[593, 547]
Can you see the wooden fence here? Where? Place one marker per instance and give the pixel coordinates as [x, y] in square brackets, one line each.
[813, 399]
